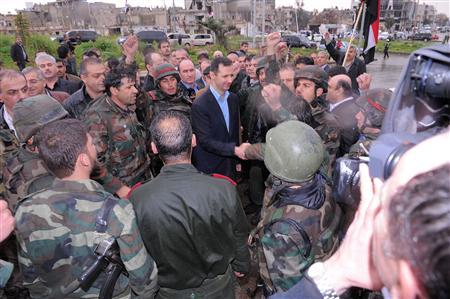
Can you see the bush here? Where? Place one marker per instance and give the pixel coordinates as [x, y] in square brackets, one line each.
[5, 48]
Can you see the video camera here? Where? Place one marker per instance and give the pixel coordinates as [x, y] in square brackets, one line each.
[419, 109]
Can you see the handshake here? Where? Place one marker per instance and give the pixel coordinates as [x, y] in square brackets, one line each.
[240, 150]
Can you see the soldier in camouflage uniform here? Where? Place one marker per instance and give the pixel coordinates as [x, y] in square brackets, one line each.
[121, 140]
[58, 229]
[299, 222]
[168, 94]
[373, 106]
[24, 170]
[311, 84]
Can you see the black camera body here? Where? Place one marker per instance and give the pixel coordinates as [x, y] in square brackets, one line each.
[419, 109]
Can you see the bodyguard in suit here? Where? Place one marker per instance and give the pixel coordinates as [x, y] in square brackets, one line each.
[18, 53]
[343, 106]
[215, 120]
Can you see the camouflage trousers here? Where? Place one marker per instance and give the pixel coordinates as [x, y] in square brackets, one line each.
[219, 287]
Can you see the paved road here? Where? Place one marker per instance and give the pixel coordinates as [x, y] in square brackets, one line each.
[386, 72]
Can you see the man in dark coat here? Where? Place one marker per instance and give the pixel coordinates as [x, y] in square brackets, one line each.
[18, 53]
[353, 65]
[215, 120]
[202, 215]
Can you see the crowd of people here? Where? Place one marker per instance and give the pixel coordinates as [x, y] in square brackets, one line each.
[115, 185]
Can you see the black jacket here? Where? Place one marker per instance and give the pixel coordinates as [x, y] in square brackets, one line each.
[214, 152]
[17, 53]
[77, 103]
[65, 85]
[192, 224]
[357, 68]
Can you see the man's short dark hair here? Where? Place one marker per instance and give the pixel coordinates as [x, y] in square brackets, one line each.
[244, 43]
[63, 51]
[91, 53]
[202, 55]
[304, 60]
[172, 135]
[147, 49]
[346, 86]
[114, 78]
[220, 61]
[419, 229]
[161, 42]
[61, 60]
[60, 143]
[112, 63]
[249, 57]
[337, 70]
[86, 62]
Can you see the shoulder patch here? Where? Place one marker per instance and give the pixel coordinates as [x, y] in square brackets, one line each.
[224, 177]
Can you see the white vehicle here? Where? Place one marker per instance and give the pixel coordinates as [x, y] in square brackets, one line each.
[384, 36]
[180, 39]
[202, 39]
[317, 37]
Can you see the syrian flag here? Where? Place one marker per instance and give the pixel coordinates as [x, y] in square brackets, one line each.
[371, 25]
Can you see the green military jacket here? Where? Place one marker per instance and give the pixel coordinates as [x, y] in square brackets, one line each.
[121, 142]
[56, 232]
[194, 225]
[8, 145]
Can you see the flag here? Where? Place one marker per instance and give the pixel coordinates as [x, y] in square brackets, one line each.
[370, 30]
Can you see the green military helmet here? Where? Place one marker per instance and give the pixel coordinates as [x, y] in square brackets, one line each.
[314, 73]
[294, 151]
[374, 105]
[164, 70]
[31, 114]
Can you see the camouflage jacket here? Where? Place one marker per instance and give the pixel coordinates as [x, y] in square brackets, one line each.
[121, 143]
[24, 173]
[326, 125]
[56, 232]
[297, 227]
[179, 102]
[8, 145]
[6, 270]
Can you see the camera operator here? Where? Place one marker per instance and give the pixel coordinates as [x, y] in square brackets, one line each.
[400, 234]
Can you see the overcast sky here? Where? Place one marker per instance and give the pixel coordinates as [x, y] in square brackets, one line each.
[6, 6]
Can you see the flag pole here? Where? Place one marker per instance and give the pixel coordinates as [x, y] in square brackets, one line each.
[352, 37]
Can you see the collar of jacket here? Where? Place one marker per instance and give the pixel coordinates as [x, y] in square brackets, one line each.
[178, 97]
[77, 186]
[3, 124]
[311, 195]
[177, 168]
[86, 96]
[116, 108]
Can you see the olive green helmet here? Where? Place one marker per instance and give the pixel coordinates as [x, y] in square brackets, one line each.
[314, 73]
[32, 113]
[294, 151]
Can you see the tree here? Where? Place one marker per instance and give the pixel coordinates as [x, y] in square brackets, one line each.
[388, 23]
[441, 20]
[22, 26]
[219, 28]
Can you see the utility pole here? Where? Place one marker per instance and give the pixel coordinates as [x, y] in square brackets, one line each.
[264, 21]
[254, 22]
[296, 16]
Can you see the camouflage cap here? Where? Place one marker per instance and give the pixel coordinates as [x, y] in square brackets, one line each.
[294, 151]
[314, 73]
[164, 70]
[374, 105]
[31, 114]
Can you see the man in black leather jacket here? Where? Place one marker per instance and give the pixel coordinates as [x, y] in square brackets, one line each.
[193, 224]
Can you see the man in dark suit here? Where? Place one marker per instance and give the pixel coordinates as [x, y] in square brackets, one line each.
[215, 120]
[18, 53]
[343, 106]
[353, 65]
